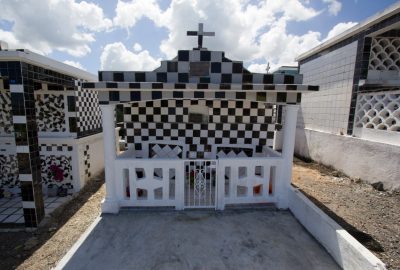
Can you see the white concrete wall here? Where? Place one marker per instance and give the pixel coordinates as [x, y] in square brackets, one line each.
[357, 158]
[344, 248]
[328, 109]
[97, 156]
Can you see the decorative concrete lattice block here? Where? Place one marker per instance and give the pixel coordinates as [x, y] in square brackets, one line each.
[379, 110]
[385, 54]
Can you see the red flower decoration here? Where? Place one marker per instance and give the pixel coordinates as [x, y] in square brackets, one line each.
[57, 173]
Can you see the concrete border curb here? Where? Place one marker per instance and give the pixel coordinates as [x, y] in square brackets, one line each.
[61, 264]
[344, 248]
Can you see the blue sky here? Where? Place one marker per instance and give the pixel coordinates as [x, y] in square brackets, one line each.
[136, 35]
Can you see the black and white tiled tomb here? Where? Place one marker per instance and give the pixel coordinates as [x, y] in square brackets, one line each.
[200, 99]
[45, 116]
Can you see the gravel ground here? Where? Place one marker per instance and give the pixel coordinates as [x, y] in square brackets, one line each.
[43, 248]
[371, 216]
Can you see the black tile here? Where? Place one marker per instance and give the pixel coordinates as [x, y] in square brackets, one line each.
[24, 165]
[219, 94]
[281, 97]
[183, 56]
[177, 94]
[183, 77]
[113, 95]
[27, 191]
[215, 67]
[134, 85]
[205, 56]
[204, 80]
[18, 103]
[226, 78]
[288, 79]
[261, 96]
[202, 86]
[180, 86]
[135, 96]
[21, 134]
[247, 78]
[30, 217]
[161, 77]
[199, 94]
[268, 79]
[156, 95]
[240, 95]
[237, 68]
[140, 76]
[73, 124]
[71, 103]
[118, 77]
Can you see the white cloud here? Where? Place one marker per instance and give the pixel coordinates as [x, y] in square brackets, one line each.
[253, 31]
[74, 64]
[128, 13]
[339, 28]
[258, 68]
[137, 47]
[248, 20]
[48, 25]
[334, 6]
[116, 56]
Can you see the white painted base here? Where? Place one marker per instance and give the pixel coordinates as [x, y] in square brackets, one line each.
[355, 157]
[109, 207]
[344, 248]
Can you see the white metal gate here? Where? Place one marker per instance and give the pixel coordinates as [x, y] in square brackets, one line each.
[200, 183]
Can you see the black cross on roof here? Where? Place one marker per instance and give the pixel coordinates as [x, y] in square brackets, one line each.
[200, 33]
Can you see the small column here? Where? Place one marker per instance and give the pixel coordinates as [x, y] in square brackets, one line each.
[110, 203]
[27, 149]
[289, 135]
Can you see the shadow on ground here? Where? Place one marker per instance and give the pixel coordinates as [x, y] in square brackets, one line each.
[13, 247]
[232, 239]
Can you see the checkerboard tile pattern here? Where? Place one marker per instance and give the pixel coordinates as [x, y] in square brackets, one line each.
[230, 122]
[215, 68]
[88, 111]
[199, 74]
[277, 97]
[220, 111]
[55, 147]
[200, 137]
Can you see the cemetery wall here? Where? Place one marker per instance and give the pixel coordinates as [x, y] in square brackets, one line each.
[328, 109]
[355, 157]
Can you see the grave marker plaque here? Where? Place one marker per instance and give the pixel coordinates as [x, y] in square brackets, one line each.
[199, 69]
